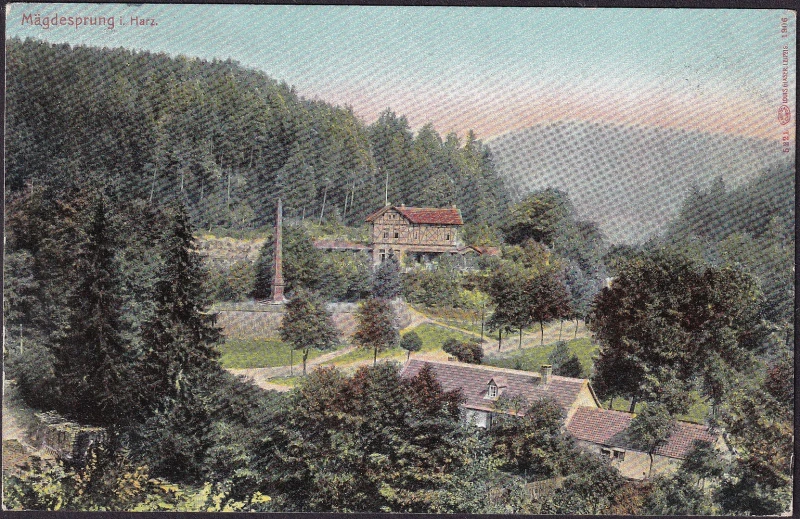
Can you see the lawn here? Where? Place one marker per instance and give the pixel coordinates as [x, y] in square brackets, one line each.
[259, 353]
[698, 413]
[432, 338]
[531, 359]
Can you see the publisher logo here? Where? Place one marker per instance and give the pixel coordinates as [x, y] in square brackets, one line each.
[784, 115]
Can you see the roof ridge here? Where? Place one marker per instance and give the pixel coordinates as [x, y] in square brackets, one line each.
[600, 409]
[485, 367]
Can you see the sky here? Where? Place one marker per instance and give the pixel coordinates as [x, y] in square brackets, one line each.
[492, 70]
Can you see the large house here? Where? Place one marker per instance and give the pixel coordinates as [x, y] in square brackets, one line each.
[482, 386]
[416, 233]
[599, 430]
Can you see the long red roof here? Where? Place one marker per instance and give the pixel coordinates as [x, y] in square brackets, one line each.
[473, 381]
[424, 215]
[607, 427]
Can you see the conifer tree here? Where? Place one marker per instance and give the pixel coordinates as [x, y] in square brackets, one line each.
[387, 279]
[179, 340]
[91, 360]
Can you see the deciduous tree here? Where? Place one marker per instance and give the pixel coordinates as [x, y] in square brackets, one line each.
[650, 429]
[411, 342]
[307, 324]
[376, 329]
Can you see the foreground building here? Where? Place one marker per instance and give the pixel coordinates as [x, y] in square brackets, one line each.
[602, 431]
[482, 387]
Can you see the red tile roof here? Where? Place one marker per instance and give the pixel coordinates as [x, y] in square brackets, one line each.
[423, 215]
[607, 427]
[473, 380]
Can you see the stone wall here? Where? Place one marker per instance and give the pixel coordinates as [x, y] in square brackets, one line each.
[64, 439]
[255, 324]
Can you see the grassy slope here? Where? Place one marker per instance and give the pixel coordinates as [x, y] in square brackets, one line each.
[531, 359]
[259, 353]
[432, 338]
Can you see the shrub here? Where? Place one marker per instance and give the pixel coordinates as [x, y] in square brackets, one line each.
[469, 351]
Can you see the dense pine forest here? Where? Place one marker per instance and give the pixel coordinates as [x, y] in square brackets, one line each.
[223, 140]
[117, 161]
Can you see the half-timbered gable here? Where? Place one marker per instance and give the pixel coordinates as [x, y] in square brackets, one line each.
[421, 232]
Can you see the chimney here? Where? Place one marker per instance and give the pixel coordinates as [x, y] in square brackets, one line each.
[547, 372]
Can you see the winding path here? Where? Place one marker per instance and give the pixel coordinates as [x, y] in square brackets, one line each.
[261, 376]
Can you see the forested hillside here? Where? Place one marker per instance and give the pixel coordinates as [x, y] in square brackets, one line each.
[610, 169]
[751, 227]
[224, 140]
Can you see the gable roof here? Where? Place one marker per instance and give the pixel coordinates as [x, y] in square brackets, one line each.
[423, 215]
[473, 381]
[607, 427]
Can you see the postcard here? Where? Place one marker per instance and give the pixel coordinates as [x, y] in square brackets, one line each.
[475, 260]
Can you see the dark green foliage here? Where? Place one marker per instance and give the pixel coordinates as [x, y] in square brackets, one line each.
[386, 284]
[307, 324]
[374, 442]
[744, 493]
[539, 217]
[436, 288]
[760, 428]
[376, 328]
[179, 341]
[565, 363]
[301, 263]
[233, 284]
[526, 291]
[507, 290]
[92, 360]
[650, 429]
[215, 433]
[469, 351]
[531, 444]
[667, 322]
[548, 299]
[223, 140]
[345, 277]
[677, 495]
[592, 487]
[411, 342]
[751, 227]
[703, 462]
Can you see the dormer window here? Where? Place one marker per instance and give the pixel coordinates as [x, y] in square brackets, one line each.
[495, 385]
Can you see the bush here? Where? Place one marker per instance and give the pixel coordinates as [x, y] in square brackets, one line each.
[411, 342]
[469, 351]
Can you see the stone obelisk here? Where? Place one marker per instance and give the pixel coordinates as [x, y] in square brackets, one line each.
[277, 278]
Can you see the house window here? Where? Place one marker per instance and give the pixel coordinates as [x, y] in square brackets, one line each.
[492, 391]
[396, 234]
[605, 452]
[383, 255]
[618, 454]
[447, 237]
[385, 234]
